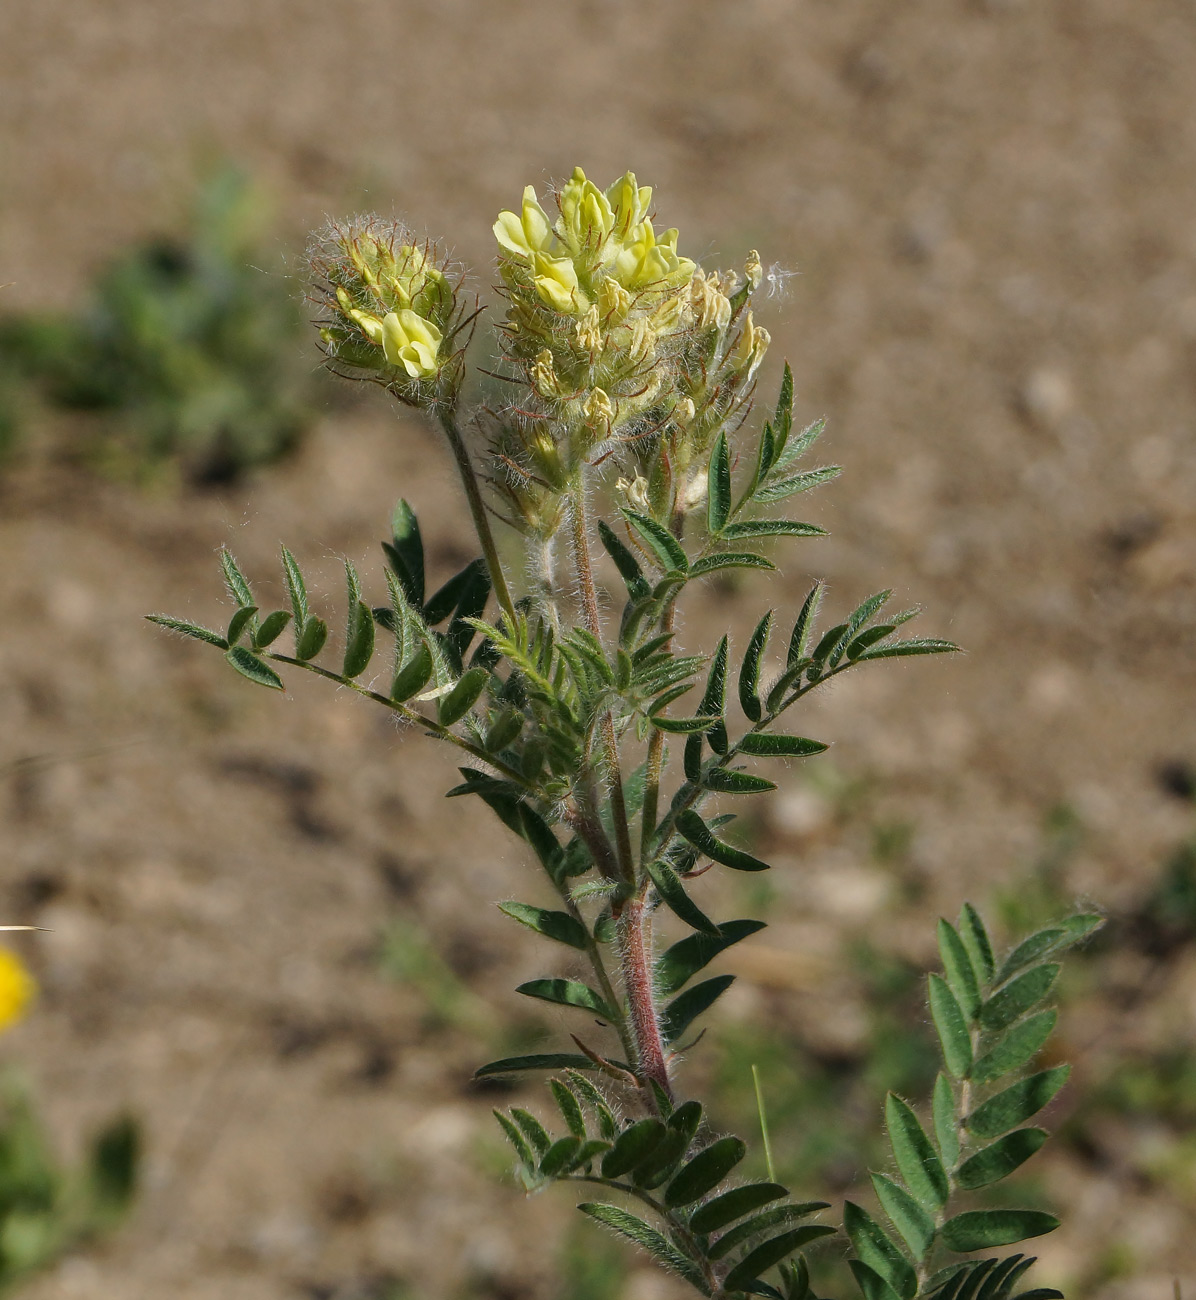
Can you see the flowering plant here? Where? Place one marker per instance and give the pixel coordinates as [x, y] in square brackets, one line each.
[634, 373]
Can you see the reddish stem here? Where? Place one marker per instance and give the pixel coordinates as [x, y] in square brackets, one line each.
[635, 960]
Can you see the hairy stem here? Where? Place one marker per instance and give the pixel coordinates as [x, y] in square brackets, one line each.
[635, 944]
[477, 508]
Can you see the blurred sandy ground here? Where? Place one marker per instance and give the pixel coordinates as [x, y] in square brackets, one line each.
[989, 207]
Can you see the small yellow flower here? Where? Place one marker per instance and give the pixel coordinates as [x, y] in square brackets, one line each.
[589, 332]
[544, 378]
[17, 988]
[526, 234]
[635, 491]
[750, 348]
[586, 214]
[556, 283]
[411, 342]
[647, 261]
[630, 203]
[598, 409]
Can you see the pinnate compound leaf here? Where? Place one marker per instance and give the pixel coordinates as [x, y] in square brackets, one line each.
[763, 744]
[204, 634]
[951, 1026]
[764, 1257]
[984, 1229]
[257, 670]
[760, 1223]
[687, 1006]
[946, 1122]
[632, 1147]
[1017, 1103]
[704, 1171]
[917, 1160]
[695, 830]
[734, 1205]
[878, 1251]
[552, 925]
[568, 993]
[540, 1061]
[678, 964]
[961, 974]
[906, 1215]
[669, 887]
[658, 1246]
[992, 1163]
[976, 941]
[1018, 1046]
[664, 547]
[1013, 1000]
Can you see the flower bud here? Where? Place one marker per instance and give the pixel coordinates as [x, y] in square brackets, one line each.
[598, 409]
[636, 493]
[684, 411]
[589, 335]
[544, 378]
[753, 269]
[614, 302]
[749, 349]
[642, 346]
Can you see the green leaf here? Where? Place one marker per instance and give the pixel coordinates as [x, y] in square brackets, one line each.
[728, 782]
[568, 993]
[595, 1101]
[764, 744]
[532, 1129]
[914, 646]
[310, 641]
[687, 1006]
[908, 1217]
[764, 1257]
[804, 626]
[257, 670]
[560, 1156]
[961, 974]
[718, 490]
[406, 554]
[1053, 939]
[952, 1027]
[704, 1171]
[413, 676]
[1019, 1046]
[872, 1285]
[771, 528]
[633, 1146]
[870, 636]
[457, 703]
[625, 562]
[749, 673]
[917, 1161]
[448, 597]
[678, 964]
[569, 1107]
[875, 1249]
[983, 1229]
[516, 1139]
[784, 411]
[552, 925]
[992, 1163]
[234, 579]
[665, 548]
[296, 588]
[781, 489]
[695, 830]
[976, 941]
[734, 1205]
[239, 622]
[637, 1231]
[669, 887]
[715, 699]
[946, 1122]
[542, 1061]
[1016, 1103]
[359, 638]
[1004, 1277]
[272, 627]
[203, 634]
[729, 560]
[1012, 1001]
[859, 616]
[683, 726]
[759, 1223]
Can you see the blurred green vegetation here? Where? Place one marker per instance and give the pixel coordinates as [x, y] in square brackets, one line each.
[186, 351]
[45, 1209]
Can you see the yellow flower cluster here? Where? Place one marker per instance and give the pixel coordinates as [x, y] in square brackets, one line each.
[390, 304]
[17, 988]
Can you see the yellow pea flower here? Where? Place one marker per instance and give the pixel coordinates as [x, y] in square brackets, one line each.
[556, 283]
[648, 261]
[526, 234]
[750, 348]
[16, 988]
[586, 215]
[411, 342]
[630, 203]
